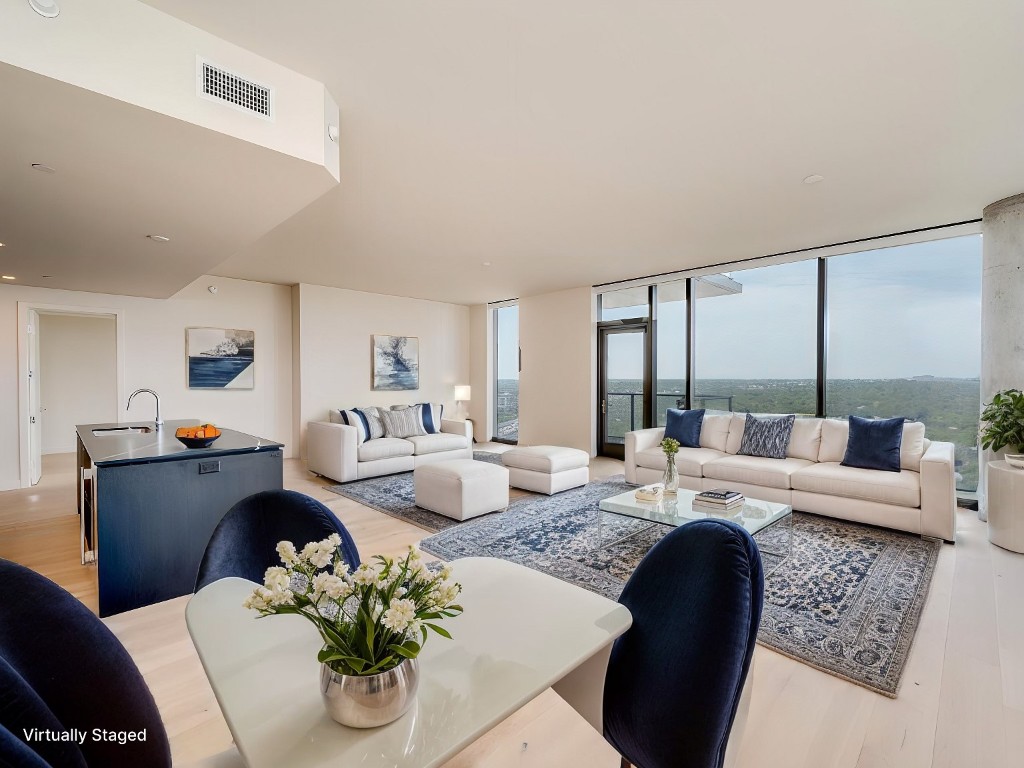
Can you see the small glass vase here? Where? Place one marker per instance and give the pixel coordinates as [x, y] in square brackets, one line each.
[370, 701]
[671, 477]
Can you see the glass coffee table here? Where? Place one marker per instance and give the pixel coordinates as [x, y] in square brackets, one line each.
[755, 516]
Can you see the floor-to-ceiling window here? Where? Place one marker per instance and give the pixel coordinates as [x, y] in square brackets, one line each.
[756, 343]
[894, 332]
[506, 373]
[671, 343]
[905, 340]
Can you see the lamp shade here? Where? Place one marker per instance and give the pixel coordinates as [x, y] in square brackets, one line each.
[462, 393]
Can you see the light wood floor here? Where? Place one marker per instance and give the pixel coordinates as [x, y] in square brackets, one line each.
[961, 704]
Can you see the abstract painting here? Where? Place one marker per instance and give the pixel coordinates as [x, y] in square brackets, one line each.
[220, 358]
[396, 362]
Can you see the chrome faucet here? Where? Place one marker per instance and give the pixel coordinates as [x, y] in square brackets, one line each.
[159, 421]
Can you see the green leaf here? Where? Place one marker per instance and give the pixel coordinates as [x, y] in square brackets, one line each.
[442, 632]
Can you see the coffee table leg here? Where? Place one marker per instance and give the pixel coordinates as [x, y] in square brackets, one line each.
[787, 551]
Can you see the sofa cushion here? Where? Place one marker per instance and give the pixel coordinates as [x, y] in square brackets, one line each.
[874, 444]
[689, 461]
[441, 441]
[832, 479]
[548, 459]
[385, 448]
[805, 442]
[684, 426]
[736, 423]
[755, 470]
[714, 431]
[404, 422]
[766, 437]
[835, 434]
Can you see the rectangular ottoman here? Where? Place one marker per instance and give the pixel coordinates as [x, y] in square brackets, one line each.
[461, 488]
[546, 468]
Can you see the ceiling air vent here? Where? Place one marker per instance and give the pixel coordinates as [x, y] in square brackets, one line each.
[219, 84]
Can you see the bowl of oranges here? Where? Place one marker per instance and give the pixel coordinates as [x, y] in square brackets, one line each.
[201, 436]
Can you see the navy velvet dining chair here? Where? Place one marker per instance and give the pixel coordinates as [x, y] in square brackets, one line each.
[244, 543]
[62, 669]
[675, 678]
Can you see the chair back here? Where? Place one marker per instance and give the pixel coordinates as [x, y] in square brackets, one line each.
[675, 677]
[244, 543]
[61, 669]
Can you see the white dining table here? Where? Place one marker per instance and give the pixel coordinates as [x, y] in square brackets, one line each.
[522, 632]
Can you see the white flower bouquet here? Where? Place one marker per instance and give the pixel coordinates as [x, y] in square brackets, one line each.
[370, 619]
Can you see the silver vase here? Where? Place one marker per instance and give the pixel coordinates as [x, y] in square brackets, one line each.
[371, 700]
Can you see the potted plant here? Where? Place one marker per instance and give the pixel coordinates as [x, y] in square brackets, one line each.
[373, 622]
[671, 477]
[1003, 421]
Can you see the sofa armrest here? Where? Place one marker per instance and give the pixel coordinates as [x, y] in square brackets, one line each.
[637, 441]
[458, 427]
[332, 450]
[938, 492]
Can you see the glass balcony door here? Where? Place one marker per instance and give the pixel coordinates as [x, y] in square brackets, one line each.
[625, 385]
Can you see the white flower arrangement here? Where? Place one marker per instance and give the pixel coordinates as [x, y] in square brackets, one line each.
[370, 619]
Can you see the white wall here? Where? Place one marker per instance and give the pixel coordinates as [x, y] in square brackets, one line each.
[77, 376]
[557, 386]
[481, 374]
[155, 357]
[335, 326]
[129, 51]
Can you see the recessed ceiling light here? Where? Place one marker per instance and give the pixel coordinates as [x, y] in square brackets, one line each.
[2, 245]
[159, 238]
[486, 263]
[43, 168]
[47, 8]
[813, 179]
[7, 277]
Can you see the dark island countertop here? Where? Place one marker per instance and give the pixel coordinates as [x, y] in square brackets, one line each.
[161, 444]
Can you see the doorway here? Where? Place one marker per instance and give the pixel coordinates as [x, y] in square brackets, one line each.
[70, 372]
[625, 388]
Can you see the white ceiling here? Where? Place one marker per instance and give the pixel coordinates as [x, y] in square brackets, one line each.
[584, 141]
[124, 172]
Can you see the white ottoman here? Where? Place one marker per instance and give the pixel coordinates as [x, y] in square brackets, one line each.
[546, 468]
[461, 488]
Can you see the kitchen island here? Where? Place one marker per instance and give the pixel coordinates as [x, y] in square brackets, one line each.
[149, 503]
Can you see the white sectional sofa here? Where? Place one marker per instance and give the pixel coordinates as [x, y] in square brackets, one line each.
[920, 498]
[334, 451]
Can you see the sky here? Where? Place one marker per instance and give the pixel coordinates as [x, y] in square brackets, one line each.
[893, 313]
[911, 310]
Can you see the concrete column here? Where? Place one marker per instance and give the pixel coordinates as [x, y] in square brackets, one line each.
[1002, 307]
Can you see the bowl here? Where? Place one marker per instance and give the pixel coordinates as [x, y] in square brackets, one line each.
[198, 442]
[1015, 460]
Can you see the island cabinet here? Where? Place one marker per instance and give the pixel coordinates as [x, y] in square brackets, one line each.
[149, 504]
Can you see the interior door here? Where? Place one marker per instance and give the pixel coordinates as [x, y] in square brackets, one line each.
[624, 384]
[35, 427]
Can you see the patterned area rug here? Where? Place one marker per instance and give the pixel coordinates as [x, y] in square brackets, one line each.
[847, 602]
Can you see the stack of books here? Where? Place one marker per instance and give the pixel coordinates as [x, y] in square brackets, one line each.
[718, 500]
[650, 494]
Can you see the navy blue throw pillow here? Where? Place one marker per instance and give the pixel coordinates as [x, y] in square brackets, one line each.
[684, 426]
[874, 444]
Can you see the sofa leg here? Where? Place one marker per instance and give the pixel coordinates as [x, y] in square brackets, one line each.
[625, 764]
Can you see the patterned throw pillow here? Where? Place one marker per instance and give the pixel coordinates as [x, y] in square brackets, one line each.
[367, 422]
[405, 422]
[767, 438]
[432, 417]
[374, 421]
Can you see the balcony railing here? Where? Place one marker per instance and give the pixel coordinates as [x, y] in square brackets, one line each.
[636, 415]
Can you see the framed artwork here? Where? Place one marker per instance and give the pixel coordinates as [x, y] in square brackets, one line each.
[396, 362]
[220, 358]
